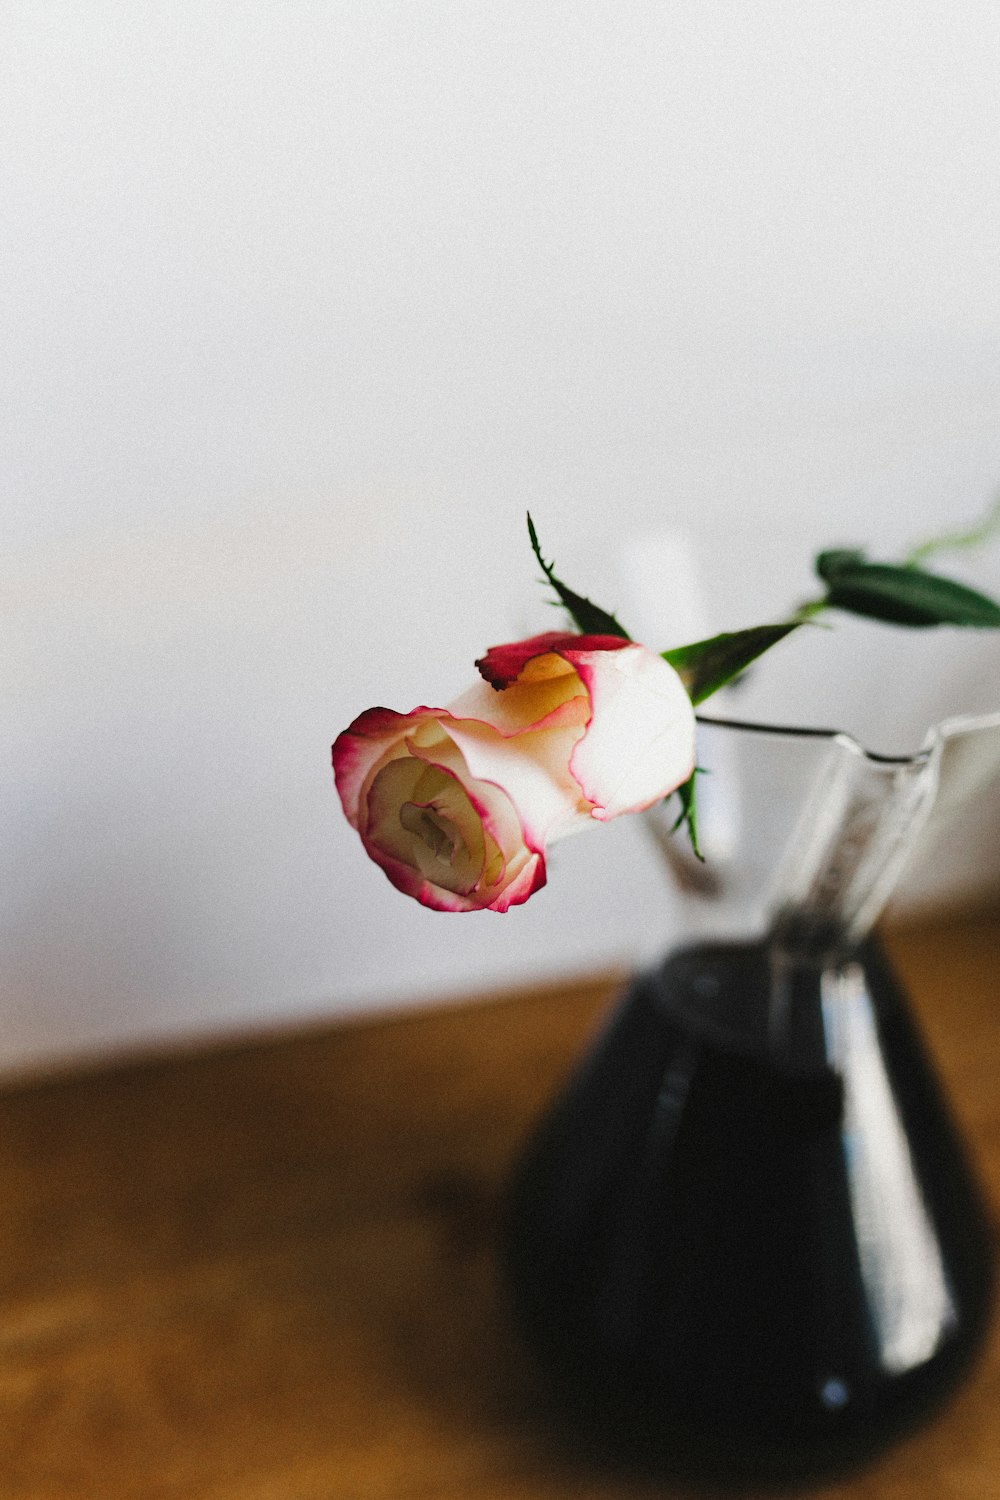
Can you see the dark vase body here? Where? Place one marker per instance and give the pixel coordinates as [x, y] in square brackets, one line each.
[747, 1260]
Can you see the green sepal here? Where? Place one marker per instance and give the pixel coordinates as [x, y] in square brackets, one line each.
[588, 617]
[705, 666]
[902, 594]
[688, 814]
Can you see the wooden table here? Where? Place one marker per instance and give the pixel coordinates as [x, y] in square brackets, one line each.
[269, 1273]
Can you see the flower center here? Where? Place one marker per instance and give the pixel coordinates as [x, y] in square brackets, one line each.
[436, 832]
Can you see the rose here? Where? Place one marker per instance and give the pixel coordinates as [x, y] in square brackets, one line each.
[458, 804]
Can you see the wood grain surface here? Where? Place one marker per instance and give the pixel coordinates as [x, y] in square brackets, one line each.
[270, 1273]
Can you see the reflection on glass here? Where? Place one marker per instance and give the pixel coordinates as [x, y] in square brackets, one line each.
[901, 1266]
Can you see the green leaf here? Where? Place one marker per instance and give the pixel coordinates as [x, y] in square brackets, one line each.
[902, 595]
[587, 616]
[689, 812]
[829, 564]
[706, 666]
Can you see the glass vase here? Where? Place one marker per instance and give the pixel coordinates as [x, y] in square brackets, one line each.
[747, 1242]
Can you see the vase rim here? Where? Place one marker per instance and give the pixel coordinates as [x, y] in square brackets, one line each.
[935, 736]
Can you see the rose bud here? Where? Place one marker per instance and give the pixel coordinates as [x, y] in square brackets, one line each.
[459, 804]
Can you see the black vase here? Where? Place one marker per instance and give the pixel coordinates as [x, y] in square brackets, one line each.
[746, 1242]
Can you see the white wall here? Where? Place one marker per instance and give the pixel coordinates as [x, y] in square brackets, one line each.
[302, 304]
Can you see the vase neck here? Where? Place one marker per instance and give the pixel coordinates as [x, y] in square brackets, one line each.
[852, 840]
[805, 834]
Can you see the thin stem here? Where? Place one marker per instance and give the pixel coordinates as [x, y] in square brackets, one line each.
[957, 540]
[809, 610]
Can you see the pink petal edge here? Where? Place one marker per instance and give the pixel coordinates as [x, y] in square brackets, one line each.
[412, 883]
[504, 664]
[530, 880]
[356, 749]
